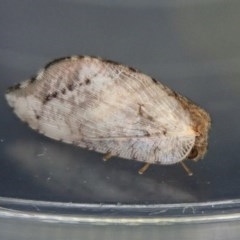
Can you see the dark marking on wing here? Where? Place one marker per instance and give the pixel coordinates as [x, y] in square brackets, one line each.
[154, 80]
[147, 134]
[150, 118]
[70, 86]
[140, 112]
[63, 91]
[144, 114]
[55, 61]
[133, 69]
[110, 61]
[15, 87]
[33, 79]
[87, 81]
[55, 94]
[47, 98]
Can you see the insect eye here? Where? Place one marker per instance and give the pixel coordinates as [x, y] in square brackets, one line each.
[193, 154]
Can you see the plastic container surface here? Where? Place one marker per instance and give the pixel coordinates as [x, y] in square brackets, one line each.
[190, 46]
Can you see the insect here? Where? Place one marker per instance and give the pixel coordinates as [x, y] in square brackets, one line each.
[113, 109]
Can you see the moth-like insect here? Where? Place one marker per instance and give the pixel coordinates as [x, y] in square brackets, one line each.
[104, 106]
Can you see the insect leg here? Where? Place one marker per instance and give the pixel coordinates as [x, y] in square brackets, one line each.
[189, 172]
[107, 156]
[142, 113]
[144, 168]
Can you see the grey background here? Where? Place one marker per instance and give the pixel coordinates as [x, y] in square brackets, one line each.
[191, 46]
